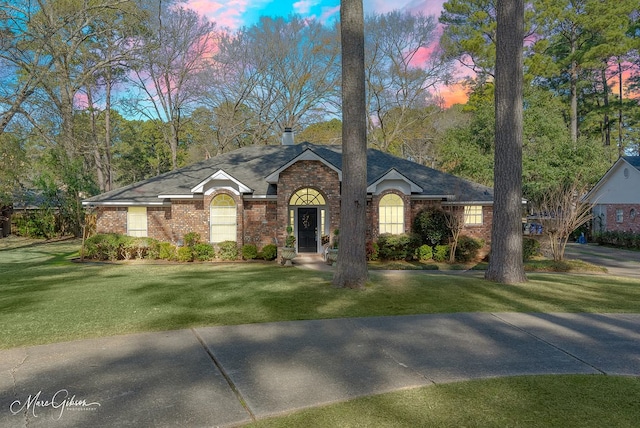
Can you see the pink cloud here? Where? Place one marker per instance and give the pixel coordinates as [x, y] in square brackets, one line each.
[329, 13]
[227, 13]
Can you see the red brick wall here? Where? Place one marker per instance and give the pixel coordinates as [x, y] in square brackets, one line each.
[111, 220]
[189, 216]
[482, 231]
[303, 174]
[260, 222]
[159, 223]
[628, 224]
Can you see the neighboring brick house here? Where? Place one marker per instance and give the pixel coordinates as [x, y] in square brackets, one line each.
[252, 194]
[617, 197]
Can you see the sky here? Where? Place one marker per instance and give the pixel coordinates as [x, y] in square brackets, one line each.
[235, 14]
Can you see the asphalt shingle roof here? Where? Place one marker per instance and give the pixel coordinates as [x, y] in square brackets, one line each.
[251, 165]
[634, 161]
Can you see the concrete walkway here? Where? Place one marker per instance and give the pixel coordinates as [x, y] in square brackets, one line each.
[618, 262]
[228, 376]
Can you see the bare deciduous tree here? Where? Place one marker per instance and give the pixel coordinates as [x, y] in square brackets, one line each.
[563, 210]
[277, 73]
[455, 222]
[178, 48]
[400, 74]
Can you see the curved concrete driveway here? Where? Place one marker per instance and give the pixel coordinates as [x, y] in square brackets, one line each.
[227, 376]
[618, 262]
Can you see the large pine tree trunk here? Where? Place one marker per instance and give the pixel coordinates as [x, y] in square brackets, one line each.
[351, 268]
[505, 263]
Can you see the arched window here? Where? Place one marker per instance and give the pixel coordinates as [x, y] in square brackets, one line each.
[223, 219]
[307, 197]
[391, 214]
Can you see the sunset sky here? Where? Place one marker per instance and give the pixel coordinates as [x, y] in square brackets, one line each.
[234, 14]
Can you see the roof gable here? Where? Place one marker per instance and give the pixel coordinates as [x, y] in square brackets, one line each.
[619, 184]
[221, 180]
[308, 155]
[392, 179]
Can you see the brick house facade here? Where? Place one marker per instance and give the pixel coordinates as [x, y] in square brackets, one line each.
[616, 197]
[254, 193]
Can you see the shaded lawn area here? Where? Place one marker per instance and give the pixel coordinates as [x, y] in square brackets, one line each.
[528, 401]
[46, 298]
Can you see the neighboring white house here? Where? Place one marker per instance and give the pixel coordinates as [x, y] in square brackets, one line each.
[617, 197]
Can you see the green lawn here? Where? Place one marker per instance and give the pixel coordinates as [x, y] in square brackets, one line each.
[529, 401]
[45, 298]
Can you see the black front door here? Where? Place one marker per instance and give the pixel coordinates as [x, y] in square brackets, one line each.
[307, 230]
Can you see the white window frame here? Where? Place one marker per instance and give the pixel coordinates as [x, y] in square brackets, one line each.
[473, 215]
[223, 219]
[619, 215]
[391, 214]
[137, 224]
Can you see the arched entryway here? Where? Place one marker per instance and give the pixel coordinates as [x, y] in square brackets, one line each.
[308, 218]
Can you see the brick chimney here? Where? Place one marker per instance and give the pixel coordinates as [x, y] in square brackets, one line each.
[287, 137]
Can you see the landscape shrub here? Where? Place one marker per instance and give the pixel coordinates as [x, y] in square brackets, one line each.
[530, 248]
[203, 251]
[269, 252]
[126, 247]
[227, 250]
[103, 246]
[184, 254]
[191, 239]
[619, 239]
[36, 224]
[153, 252]
[167, 251]
[424, 253]
[373, 251]
[397, 247]
[441, 253]
[249, 252]
[467, 249]
[431, 225]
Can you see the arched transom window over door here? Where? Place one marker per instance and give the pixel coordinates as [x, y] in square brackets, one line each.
[391, 214]
[307, 197]
[223, 219]
[308, 219]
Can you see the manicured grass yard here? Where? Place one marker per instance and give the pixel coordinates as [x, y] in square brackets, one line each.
[528, 401]
[44, 297]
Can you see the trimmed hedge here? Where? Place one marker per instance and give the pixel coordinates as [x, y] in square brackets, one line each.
[269, 252]
[628, 240]
[424, 253]
[249, 252]
[397, 247]
[467, 249]
[113, 246]
[441, 253]
[530, 248]
[203, 252]
[227, 250]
